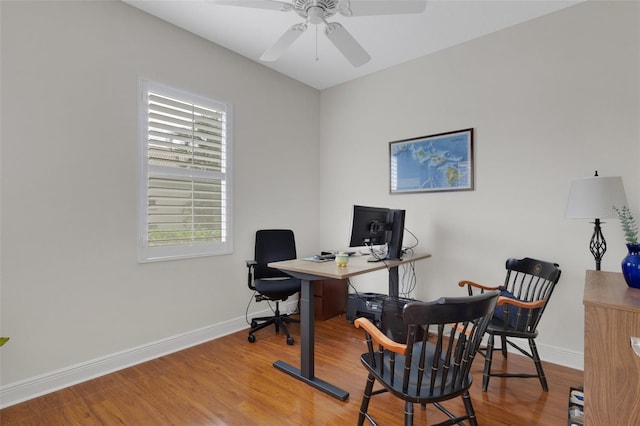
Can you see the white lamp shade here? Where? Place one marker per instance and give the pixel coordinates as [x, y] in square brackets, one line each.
[594, 197]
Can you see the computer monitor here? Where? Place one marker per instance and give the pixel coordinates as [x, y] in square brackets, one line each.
[377, 226]
[397, 233]
[370, 226]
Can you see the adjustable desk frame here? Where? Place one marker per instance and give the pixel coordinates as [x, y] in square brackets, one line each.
[308, 272]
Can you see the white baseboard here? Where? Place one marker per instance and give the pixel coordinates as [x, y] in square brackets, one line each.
[24, 390]
[560, 356]
[552, 354]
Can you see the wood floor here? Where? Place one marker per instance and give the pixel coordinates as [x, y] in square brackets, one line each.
[230, 381]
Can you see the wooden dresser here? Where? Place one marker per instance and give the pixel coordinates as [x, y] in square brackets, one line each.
[611, 368]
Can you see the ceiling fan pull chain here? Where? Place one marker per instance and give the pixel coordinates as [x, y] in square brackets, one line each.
[317, 57]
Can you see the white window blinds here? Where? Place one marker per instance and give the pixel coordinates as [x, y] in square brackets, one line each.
[186, 185]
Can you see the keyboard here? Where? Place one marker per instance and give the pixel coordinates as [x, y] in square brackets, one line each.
[327, 256]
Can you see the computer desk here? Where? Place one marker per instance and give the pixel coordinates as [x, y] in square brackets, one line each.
[308, 272]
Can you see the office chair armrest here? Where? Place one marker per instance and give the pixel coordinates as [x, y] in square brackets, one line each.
[378, 337]
[250, 265]
[519, 303]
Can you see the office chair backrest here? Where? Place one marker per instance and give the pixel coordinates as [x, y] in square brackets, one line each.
[273, 245]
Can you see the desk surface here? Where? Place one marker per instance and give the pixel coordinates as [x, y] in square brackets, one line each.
[357, 265]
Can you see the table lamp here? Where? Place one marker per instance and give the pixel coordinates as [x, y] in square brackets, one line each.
[594, 198]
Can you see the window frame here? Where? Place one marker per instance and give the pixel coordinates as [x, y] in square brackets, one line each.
[145, 252]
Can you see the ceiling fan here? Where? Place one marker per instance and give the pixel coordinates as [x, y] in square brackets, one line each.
[317, 12]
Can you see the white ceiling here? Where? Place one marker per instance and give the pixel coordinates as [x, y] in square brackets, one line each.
[390, 39]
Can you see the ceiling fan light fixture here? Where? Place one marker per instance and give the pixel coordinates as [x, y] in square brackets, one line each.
[328, 8]
[315, 14]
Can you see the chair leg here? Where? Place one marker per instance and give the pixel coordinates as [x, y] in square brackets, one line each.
[538, 364]
[503, 342]
[366, 397]
[487, 363]
[259, 326]
[408, 413]
[468, 406]
[277, 322]
[280, 326]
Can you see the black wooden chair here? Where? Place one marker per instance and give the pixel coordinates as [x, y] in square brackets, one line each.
[523, 298]
[435, 362]
[272, 245]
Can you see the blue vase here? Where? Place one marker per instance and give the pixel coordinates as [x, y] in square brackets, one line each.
[631, 266]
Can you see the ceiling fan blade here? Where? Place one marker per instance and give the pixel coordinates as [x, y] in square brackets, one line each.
[381, 7]
[257, 4]
[346, 44]
[283, 43]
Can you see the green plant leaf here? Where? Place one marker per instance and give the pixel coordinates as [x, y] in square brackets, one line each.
[3, 340]
[629, 225]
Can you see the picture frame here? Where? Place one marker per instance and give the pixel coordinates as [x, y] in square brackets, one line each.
[433, 163]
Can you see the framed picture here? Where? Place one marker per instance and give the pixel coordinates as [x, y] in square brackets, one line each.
[434, 163]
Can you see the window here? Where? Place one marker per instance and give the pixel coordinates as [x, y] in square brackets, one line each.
[185, 185]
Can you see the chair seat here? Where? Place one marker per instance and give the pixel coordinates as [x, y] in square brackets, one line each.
[417, 391]
[496, 326]
[277, 288]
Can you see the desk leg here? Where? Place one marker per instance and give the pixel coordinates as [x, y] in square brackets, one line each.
[307, 347]
[394, 285]
[307, 329]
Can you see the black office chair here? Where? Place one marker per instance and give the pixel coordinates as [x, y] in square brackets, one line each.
[523, 298]
[272, 245]
[434, 364]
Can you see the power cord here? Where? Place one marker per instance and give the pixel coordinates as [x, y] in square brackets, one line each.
[408, 281]
[253, 297]
[414, 237]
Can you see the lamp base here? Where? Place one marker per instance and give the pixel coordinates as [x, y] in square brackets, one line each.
[598, 245]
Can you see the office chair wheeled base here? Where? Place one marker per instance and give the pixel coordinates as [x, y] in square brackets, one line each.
[279, 320]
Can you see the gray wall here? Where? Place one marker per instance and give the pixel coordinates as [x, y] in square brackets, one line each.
[71, 288]
[550, 100]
